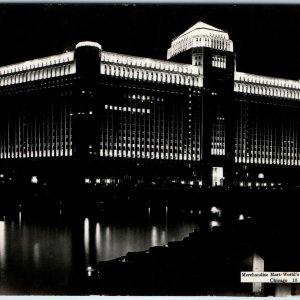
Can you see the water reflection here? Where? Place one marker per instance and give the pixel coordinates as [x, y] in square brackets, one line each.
[105, 240]
[40, 256]
[36, 255]
[154, 236]
[2, 244]
[86, 231]
[98, 240]
[20, 219]
[149, 213]
[163, 237]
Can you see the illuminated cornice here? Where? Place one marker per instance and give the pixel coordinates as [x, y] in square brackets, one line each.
[37, 63]
[153, 70]
[266, 86]
[41, 68]
[88, 44]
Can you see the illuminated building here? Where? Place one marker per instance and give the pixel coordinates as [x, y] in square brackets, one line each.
[191, 119]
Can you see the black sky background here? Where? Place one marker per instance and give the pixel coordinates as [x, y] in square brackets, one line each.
[266, 37]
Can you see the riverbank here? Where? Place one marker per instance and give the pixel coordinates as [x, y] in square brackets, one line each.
[204, 263]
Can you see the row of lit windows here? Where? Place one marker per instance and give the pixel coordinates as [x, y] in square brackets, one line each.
[262, 135]
[266, 154]
[171, 140]
[25, 146]
[51, 83]
[268, 136]
[290, 162]
[219, 61]
[37, 74]
[154, 137]
[218, 135]
[150, 155]
[129, 109]
[150, 131]
[35, 144]
[217, 151]
[40, 146]
[257, 184]
[138, 144]
[265, 144]
[33, 154]
[144, 97]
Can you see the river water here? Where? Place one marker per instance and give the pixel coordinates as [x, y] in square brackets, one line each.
[47, 254]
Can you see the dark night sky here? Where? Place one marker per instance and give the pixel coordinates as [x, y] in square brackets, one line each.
[266, 38]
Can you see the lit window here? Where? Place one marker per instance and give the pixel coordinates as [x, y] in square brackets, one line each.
[213, 224]
[34, 179]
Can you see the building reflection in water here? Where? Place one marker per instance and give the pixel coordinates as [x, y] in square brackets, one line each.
[163, 237]
[109, 246]
[36, 255]
[98, 240]
[154, 236]
[149, 214]
[2, 244]
[86, 231]
[20, 219]
[108, 240]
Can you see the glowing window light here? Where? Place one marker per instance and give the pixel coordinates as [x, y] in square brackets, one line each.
[214, 210]
[34, 179]
[261, 175]
[217, 176]
[213, 224]
[241, 217]
[87, 180]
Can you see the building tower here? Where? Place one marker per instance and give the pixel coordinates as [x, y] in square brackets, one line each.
[211, 50]
[87, 56]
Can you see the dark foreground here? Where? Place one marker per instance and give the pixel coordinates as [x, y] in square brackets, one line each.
[247, 223]
[234, 226]
[202, 264]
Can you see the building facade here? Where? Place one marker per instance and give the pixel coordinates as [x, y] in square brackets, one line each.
[189, 120]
